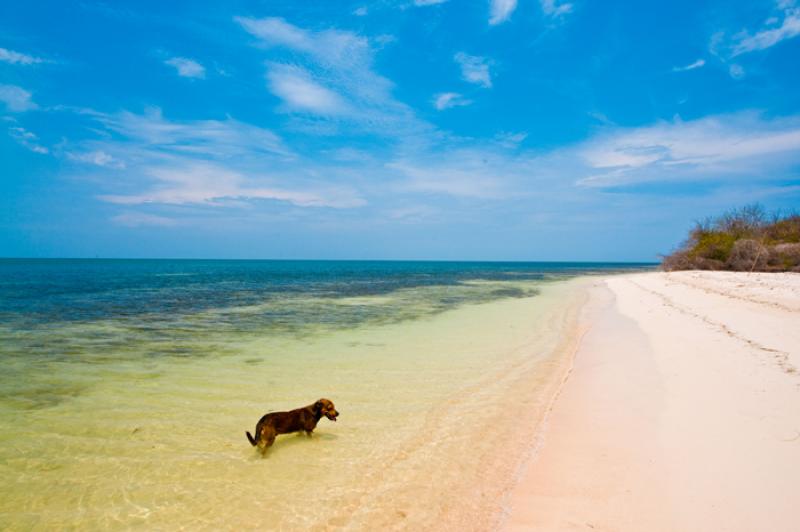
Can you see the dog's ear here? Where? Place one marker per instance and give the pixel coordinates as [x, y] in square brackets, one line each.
[318, 406]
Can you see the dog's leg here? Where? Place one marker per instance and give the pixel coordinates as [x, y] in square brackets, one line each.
[267, 439]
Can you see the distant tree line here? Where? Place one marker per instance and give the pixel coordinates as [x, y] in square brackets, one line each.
[744, 239]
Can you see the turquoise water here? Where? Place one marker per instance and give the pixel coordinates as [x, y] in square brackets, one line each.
[127, 387]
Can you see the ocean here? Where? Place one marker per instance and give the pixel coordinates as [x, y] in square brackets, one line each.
[127, 386]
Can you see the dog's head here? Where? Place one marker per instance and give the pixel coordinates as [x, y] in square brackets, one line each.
[326, 408]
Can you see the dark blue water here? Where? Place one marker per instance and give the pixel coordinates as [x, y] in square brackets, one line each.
[55, 290]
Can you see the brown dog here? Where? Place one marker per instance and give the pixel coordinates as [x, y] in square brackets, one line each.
[306, 418]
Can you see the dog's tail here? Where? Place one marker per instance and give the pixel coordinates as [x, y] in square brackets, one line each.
[249, 437]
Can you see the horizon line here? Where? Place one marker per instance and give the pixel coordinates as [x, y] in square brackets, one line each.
[339, 260]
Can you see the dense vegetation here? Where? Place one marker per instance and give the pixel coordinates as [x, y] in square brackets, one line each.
[745, 239]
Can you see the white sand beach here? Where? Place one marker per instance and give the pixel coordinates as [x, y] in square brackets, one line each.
[681, 412]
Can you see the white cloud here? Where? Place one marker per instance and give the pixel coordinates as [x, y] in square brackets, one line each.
[769, 36]
[331, 49]
[361, 11]
[475, 170]
[301, 93]
[139, 219]
[16, 98]
[27, 139]
[163, 166]
[553, 8]
[601, 117]
[446, 100]
[211, 163]
[412, 213]
[332, 71]
[743, 147]
[718, 146]
[474, 69]
[222, 139]
[736, 71]
[97, 158]
[510, 140]
[221, 71]
[329, 74]
[428, 2]
[275, 31]
[18, 58]
[465, 174]
[697, 64]
[725, 149]
[210, 184]
[716, 43]
[187, 68]
[500, 10]
[775, 29]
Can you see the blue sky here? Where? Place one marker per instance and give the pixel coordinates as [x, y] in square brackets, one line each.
[413, 129]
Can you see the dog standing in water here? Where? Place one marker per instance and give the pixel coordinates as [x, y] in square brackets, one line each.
[300, 419]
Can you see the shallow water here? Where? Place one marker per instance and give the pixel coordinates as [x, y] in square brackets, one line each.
[127, 387]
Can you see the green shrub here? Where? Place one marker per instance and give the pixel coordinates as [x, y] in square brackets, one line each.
[785, 230]
[742, 240]
[714, 245]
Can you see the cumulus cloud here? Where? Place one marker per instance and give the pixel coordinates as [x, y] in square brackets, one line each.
[474, 69]
[187, 68]
[18, 58]
[501, 10]
[16, 99]
[446, 100]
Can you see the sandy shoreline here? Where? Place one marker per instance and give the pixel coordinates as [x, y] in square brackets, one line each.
[682, 411]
